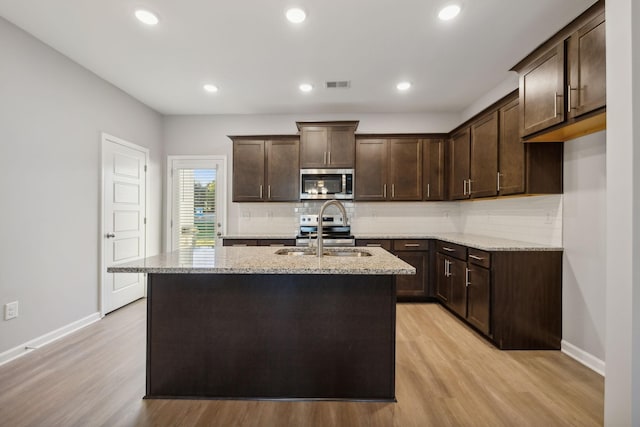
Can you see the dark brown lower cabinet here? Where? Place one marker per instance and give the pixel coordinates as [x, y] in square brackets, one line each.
[478, 297]
[412, 251]
[416, 253]
[514, 298]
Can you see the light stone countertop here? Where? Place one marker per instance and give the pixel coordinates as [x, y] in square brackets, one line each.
[263, 260]
[485, 243]
[476, 241]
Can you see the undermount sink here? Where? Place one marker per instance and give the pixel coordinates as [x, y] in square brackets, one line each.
[341, 252]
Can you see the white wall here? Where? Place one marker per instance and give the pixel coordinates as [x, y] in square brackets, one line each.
[508, 85]
[622, 345]
[52, 113]
[584, 266]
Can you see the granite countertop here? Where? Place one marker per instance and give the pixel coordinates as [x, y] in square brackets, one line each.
[485, 243]
[264, 260]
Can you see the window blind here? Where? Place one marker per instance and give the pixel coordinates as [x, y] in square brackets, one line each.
[196, 207]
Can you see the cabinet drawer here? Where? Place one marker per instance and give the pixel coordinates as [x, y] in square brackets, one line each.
[380, 243]
[478, 257]
[276, 242]
[451, 249]
[410, 245]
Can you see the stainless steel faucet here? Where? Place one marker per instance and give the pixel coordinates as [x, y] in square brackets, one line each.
[340, 206]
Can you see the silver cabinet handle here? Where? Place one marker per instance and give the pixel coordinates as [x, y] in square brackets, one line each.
[110, 235]
[466, 277]
[324, 159]
[555, 104]
[568, 98]
[384, 191]
[374, 245]
[447, 268]
[261, 191]
[329, 162]
[268, 191]
[428, 191]
[476, 257]
[464, 187]
[469, 181]
[499, 181]
[412, 245]
[444, 248]
[393, 191]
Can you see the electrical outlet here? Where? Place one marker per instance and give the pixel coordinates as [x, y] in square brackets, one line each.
[11, 310]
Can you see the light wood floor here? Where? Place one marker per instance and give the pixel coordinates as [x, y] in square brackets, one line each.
[446, 375]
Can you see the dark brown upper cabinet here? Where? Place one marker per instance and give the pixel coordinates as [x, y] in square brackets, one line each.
[586, 88]
[484, 157]
[265, 170]
[388, 169]
[327, 144]
[542, 92]
[563, 82]
[433, 169]
[511, 155]
[473, 164]
[459, 164]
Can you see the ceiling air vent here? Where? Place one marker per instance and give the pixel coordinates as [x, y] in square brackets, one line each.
[339, 84]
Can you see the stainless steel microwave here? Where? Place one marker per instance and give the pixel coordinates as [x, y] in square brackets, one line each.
[324, 184]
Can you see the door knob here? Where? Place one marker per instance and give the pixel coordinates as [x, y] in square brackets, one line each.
[110, 235]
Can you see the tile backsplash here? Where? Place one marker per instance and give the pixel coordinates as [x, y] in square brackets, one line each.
[532, 219]
[536, 219]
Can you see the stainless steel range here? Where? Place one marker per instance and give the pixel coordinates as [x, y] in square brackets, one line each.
[334, 231]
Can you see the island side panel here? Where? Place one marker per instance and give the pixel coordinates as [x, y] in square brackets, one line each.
[271, 336]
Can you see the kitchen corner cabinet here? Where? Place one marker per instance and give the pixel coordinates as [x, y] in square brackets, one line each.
[433, 169]
[526, 168]
[513, 298]
[327, 144]
[563, 83]
[474, 159]
[388, 169]
[265, 170]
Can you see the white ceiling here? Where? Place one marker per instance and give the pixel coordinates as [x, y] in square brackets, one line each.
[258, 59]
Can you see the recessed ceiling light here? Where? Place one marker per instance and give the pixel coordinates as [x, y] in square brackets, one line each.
[306, 87]
[210, 88]
[296, 15]
[403, 86]
[146, 17]
[449, 12]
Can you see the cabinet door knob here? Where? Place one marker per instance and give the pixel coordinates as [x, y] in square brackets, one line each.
[110, 235]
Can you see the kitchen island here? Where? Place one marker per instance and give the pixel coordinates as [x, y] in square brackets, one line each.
[249, 323]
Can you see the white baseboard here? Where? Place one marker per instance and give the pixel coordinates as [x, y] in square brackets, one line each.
[47, 338]
[587, 359]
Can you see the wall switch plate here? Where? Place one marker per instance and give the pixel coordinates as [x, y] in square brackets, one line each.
[11, 310]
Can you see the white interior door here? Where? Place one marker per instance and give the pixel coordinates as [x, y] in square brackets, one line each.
[124, 219]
